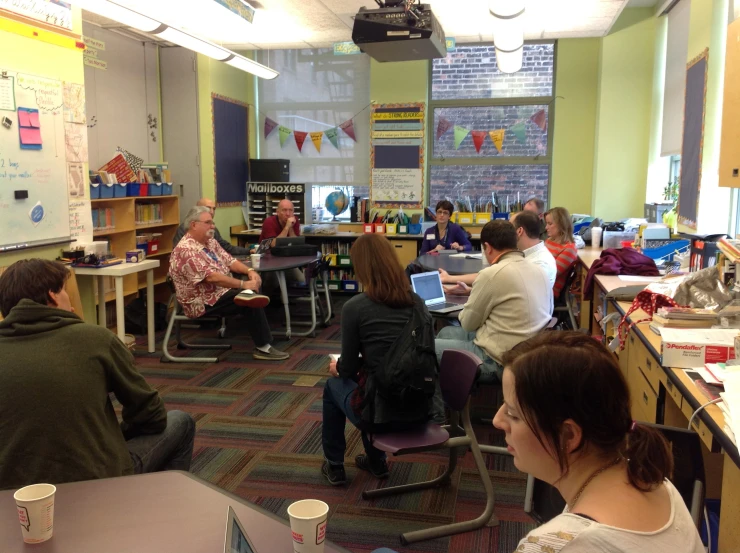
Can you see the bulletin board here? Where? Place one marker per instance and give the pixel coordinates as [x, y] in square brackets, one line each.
[230, 149]
[33, 156]
[693, 140]
[397, 155]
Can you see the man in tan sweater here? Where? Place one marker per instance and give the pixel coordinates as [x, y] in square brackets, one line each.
[510, 301]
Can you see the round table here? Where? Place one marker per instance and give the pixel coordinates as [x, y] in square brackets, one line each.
[453, 265]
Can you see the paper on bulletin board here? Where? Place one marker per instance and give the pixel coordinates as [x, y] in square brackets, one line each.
[7, 93]
[74, 103]
[76, 180]
[397, 185]
[48, 92]
[80, 220]
[75, 140]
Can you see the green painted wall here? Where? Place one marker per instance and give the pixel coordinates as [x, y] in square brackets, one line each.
[576, 80]
[624, 108]
[218, 78]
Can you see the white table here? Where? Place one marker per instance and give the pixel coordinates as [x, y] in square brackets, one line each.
[118, 272]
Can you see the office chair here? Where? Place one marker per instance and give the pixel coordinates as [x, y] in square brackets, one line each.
[564, 303]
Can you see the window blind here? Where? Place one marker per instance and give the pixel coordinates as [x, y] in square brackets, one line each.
[677, 48]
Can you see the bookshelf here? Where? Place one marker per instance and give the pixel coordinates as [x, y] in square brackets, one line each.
[126, 218]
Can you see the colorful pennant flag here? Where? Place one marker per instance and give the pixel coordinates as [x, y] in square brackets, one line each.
[269, 126]
[520, 132]
[331, 134]
[478, 137]
[300, 137]
[540, 119]
[497, 137]
[284, 134]
[349, 128]
[316, 138]
[460, 134]
[443, 126]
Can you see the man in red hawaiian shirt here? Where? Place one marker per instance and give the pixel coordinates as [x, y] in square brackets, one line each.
[201, 270]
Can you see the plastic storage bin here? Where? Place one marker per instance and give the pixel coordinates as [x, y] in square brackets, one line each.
[367, 228]
[464, 218]
[504, 216]
[154, 189]
[482, 218]
[166, 189]
[391, 228]
[94, 191]
[335, 285]
[132, 189]
[403, 229]
[119, 190]
[415, 228]
[349, 285]
[380, 228]
[106, 191]
[614, 239]
[344, 261]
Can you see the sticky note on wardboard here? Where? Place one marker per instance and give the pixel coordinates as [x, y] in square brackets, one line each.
[33, 118]
[23, 118]
[30, 136]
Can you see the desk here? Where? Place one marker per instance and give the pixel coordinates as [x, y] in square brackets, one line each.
[453, 265]
[279, 265]
[166, 512]
[118, 272]
[667, 396]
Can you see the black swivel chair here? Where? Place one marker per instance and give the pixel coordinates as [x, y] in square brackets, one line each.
[564, 303]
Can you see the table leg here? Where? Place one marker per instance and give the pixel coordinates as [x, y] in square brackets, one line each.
[284, 296]
[120, 321]
[100, 281]
[150, 308]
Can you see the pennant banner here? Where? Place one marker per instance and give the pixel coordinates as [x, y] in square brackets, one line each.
[300, 137]
[540, 119]
[316, 138]
[269, 126]
[520, 132]
[497, 137]
[284, 134]
[478, 137]
[331, 134]
[460, 134]
[443, 126]
[349, 128]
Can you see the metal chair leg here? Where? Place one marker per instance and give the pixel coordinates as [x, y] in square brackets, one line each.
[168, 357]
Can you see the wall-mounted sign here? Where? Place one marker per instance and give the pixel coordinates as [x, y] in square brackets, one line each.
[451, 44]
[346, 48]
[273, 188]
[52, 12]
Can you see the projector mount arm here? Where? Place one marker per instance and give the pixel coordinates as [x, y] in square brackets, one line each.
[408, 6]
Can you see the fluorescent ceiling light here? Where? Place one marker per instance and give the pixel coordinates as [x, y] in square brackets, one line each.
[509, 62]
[170, 34]
[508, 33]
[250, 66]
[120, 14]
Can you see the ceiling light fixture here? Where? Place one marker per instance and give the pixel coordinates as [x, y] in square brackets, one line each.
[130, 18]
[508, 33]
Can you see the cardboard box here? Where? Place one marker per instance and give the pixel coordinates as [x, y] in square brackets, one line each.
[135, 256]
[691, 348]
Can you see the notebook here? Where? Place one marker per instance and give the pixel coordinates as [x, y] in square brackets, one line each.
[236, 540]
[429, 288]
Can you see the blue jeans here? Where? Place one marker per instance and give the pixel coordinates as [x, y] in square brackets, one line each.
[170, 450]
[455, 337]
[337, 409]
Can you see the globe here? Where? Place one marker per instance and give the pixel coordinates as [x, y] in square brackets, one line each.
[336, 203]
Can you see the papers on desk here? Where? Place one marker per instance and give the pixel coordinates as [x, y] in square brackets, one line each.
[467, 255]
[731, 407]
[638, 278]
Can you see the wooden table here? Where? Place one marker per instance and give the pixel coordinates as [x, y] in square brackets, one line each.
[162, 512]
[118, 272]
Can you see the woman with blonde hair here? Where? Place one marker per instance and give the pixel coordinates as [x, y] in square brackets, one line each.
[371, 323]
[560, 243]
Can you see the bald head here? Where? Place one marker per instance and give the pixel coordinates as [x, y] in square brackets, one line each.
[284, 211]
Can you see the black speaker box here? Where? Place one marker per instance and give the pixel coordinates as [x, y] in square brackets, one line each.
[269, 170]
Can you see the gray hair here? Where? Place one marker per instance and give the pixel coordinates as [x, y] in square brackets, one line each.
[194, 214]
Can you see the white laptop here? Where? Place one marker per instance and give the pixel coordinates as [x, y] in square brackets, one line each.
[237, 540]
[429, 288]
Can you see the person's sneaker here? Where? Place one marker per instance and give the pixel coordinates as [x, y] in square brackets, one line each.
[334, 473]
[378, 470]
[273, 355]
[250, 298]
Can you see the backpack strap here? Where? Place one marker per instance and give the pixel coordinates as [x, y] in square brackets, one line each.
[649, 302]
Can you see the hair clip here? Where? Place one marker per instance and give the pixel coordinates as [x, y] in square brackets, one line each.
[633, 426]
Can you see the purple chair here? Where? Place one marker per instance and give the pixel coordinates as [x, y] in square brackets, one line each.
[459, 371]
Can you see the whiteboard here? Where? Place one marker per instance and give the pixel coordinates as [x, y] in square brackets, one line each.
[39, 169]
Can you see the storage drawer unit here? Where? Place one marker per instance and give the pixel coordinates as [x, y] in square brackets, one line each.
[405, 250]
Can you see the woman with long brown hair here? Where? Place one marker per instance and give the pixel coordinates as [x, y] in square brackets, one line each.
[566, 419]
[560, 243]
[371, 322]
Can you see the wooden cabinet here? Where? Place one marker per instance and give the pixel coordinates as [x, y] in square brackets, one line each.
[729, 155]
[406, 250]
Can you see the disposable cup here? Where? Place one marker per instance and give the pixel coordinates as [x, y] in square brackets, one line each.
[596, 237]
[255, 260]
[35, 505]
[308, 525]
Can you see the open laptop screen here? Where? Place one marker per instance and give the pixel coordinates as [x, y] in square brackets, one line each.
[429, 287]
[236, 538]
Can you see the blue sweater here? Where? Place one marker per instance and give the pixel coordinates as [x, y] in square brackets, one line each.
[455, 233]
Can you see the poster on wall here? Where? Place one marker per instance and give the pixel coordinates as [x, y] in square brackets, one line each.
[397, 155]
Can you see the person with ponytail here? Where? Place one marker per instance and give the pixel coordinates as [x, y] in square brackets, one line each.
[566, 419]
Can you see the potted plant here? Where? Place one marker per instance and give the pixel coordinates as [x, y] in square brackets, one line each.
[670, 194]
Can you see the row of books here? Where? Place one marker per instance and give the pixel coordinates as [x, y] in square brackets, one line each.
[683, 317]
[339, 248]
[342, 274]
[147, 214]
[103, 218]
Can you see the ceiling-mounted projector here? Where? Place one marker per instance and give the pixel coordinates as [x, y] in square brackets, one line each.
[399, 31]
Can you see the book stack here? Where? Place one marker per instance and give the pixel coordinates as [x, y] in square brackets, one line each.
[683, 317]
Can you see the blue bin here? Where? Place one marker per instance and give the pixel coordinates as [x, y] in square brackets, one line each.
[415, 228]
[166, 188]
[119, 190]
[106, 191]
[132, 189]
[94, 191]
[155, 188]
[667, 251]
[504, 216]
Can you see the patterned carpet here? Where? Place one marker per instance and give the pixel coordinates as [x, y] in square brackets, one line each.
[259, 436]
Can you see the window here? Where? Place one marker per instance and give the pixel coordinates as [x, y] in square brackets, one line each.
[470, 93]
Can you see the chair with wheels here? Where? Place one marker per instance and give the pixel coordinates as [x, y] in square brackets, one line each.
[176, 318]
[564, 303]
[459, 371]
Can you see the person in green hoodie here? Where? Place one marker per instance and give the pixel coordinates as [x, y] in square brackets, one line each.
[57, 422]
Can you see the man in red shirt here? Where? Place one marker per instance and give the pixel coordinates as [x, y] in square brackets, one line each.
[282, 225]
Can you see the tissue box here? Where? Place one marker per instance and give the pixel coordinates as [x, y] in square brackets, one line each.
[692, 348]
[135, 256]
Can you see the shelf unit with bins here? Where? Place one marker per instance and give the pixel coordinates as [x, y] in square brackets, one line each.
[122, 237]
[264, 197]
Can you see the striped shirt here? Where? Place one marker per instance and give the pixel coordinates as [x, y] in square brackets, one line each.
[565, 256]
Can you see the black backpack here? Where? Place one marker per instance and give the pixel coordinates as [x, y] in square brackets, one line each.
[400, 391]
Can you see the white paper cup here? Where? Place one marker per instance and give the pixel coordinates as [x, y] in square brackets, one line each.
[36, 511]
[308, 525]
[596, 237]
[255, 260]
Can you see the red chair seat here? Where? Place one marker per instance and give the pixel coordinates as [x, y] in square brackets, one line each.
[429, 436]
